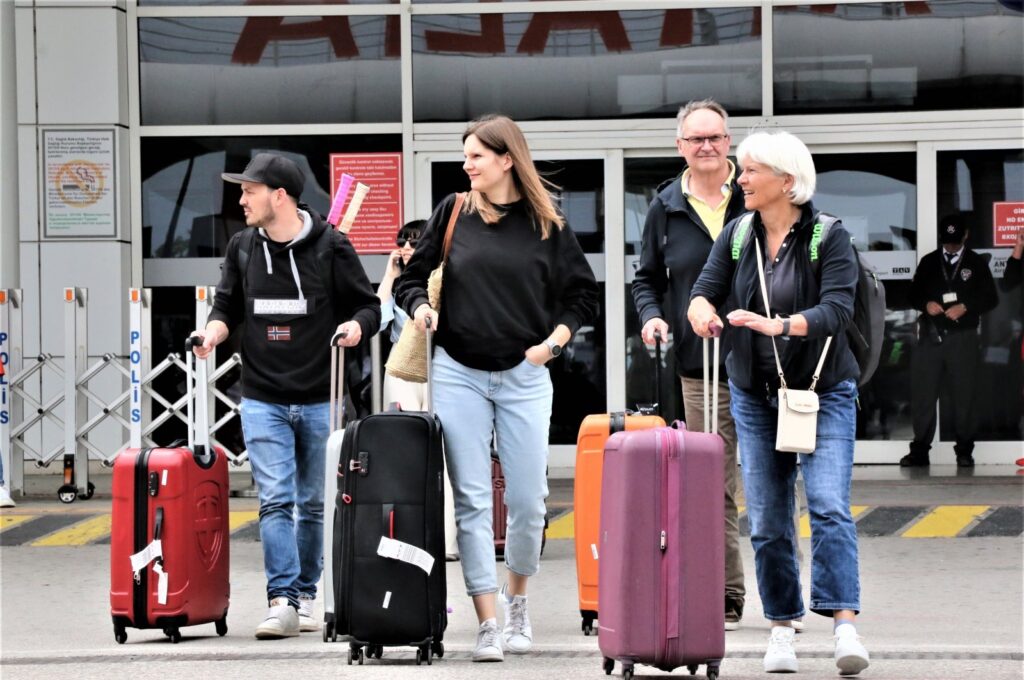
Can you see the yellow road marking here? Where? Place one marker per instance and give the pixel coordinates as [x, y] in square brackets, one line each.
[239, 518]
[945, 521]
[805, 520]
[563, 527]
[8, 521]
[78, 533]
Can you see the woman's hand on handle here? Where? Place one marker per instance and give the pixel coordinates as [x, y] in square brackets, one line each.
[703, 319]
[424, 312]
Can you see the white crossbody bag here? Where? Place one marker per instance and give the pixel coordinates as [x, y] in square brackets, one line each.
[798, 409]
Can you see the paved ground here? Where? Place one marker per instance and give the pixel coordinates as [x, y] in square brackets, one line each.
[933, 608]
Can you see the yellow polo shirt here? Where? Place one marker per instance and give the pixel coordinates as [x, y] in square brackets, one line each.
[712, 216]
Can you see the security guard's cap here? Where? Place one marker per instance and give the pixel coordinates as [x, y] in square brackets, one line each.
[952, 229]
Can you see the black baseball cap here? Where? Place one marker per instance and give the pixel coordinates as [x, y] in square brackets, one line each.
[277, 172]
[952, 229]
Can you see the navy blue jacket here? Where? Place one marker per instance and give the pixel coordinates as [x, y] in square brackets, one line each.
[824, 296]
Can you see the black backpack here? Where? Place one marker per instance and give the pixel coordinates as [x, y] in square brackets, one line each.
[866, 330]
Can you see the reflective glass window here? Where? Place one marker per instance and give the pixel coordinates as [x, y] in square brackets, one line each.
[585, 65]
[189, 211]
[240, 70]
[895, 56]
[974, 183]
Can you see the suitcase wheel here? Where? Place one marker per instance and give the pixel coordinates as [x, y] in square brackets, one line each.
[438, 649]
[627, 671]
[588, 623]
[424, 654]
[120, 635]
[713, 671]
[174, 634]
[329, 631]
[67, 493]
[375, 651]
[222, 626]
[355, 653]
[609, 665]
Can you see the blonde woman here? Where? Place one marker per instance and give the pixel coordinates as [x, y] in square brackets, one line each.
[516, 288]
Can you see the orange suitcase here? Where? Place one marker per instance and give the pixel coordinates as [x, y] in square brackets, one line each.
[594, 432]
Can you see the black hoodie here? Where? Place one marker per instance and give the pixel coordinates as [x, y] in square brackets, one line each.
[286, 354]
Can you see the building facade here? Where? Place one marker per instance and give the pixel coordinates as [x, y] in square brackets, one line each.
[118, 118]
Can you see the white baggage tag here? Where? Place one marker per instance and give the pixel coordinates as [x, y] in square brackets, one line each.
[593, 550]
[948, 298]
[403, 552]
[146, 555]
[161, 586]
[271, 306]
[387, 599]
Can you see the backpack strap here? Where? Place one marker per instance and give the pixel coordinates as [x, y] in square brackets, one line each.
[246, 242]
[741, 235]
[823, 223]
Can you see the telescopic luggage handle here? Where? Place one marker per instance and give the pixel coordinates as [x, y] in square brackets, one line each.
[711, 419]
[198, 408]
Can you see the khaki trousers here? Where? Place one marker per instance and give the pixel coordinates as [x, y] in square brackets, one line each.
[693, 409]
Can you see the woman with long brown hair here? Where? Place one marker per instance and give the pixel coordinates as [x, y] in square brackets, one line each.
[516, 288]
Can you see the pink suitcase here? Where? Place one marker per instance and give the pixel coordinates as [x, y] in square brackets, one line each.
[662, 551]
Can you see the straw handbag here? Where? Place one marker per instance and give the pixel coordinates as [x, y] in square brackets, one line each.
[408, 359]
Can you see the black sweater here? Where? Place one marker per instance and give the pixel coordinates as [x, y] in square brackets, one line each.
[824, 297]
[295, 370]
[972, 282]
[675, 246]
[505, 289]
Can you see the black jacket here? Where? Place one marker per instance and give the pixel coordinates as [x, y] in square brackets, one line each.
[505, 289]
[972, 282]
[294, 367]
[824, 297]
[675, 246]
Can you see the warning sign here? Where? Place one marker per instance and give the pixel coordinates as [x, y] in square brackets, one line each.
[80, 196]
[1007, 222]
[381, 215]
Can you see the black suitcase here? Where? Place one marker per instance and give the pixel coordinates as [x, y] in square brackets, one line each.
[390, 500]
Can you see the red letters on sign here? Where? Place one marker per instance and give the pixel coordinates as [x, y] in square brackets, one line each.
[608, 24]
[259, 31]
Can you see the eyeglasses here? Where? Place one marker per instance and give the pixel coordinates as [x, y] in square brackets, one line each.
[411, 241]
[697, 142]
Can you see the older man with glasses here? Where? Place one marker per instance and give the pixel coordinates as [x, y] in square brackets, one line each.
[683, 221]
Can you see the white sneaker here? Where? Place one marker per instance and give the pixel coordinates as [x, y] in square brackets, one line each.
[307, 614]
[5, 498]
[518, 634]
[487, 646]
[780, 657]
[851, 655]
[282, 621]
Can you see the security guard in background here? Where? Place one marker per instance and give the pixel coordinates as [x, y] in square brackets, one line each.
[952, 288]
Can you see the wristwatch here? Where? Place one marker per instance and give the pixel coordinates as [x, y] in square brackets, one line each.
[785, 325]
[555, 348]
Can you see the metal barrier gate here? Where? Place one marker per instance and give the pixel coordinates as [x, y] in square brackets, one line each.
[24, 410]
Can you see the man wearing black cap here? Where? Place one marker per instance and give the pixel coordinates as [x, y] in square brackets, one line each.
[952, 288]
[291, 282]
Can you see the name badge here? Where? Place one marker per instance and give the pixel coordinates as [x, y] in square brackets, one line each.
[948, 298]
[264, 306]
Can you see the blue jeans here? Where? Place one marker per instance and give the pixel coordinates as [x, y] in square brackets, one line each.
[768, 481]
[516, 405]
[287, 445]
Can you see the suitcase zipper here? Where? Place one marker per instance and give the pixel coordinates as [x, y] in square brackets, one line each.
[140, 589]
[346, 553]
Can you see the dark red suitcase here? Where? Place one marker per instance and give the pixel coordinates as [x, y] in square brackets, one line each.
[662, 550]
[179, 497]
[500, 510]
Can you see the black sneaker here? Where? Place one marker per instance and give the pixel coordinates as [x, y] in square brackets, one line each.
[914, 460]
[965, 461]
[733, 613]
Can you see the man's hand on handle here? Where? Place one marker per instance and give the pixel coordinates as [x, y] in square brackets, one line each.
[349, 334]
[214, 334]
[654, 327]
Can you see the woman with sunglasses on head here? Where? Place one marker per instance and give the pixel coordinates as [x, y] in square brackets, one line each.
[410, 396]
[516, 287]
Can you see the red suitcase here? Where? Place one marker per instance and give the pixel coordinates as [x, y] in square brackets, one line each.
[500, 510]
[169, 531]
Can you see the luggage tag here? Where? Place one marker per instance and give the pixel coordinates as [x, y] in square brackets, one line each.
[949, 298]
[161, 586]
[403, 552]
[151, 552]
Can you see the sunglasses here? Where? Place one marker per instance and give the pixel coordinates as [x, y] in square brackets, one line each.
[411, 241]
